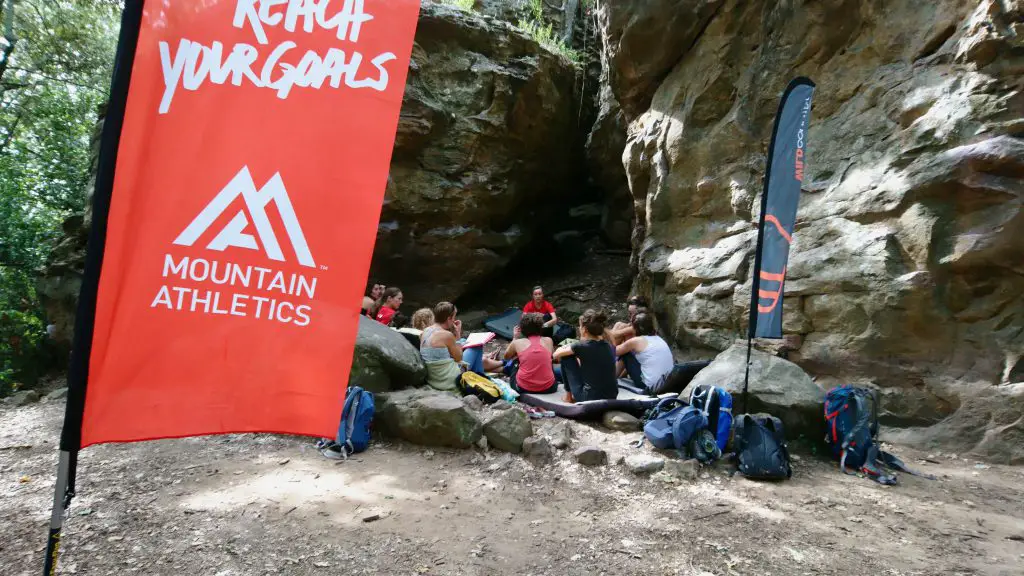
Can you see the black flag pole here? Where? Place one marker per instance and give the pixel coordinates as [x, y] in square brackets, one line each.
[783, 175]
[78, 370]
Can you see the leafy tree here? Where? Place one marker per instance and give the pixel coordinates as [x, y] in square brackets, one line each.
[57, 57]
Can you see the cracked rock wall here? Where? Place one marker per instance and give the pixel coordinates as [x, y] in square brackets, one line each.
[907, 268]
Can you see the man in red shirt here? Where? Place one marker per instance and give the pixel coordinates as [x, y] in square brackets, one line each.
[541, 306]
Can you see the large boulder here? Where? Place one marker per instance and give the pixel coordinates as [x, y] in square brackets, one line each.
[485, 149]
[905, 269]
[384, 360]
[989, 424]
[776, 386]
[427, 417]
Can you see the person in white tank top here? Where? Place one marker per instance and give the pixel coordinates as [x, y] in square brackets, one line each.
[646, 357]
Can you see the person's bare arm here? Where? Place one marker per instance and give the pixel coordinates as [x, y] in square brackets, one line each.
[454, 349]
[626, 347]
[618, 335]
[562, 352]
[553, 321]
[511, 351]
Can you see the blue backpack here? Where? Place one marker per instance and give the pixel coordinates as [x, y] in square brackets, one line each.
[659, 420]
[719, 417]
[852, 417]
[354, 428]
[672, 424]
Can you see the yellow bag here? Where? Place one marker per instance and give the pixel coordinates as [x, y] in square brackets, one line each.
[479, 386]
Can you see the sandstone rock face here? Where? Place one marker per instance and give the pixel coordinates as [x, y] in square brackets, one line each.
[482, 158]
[989, 424]
[384, 360]
[906, 265]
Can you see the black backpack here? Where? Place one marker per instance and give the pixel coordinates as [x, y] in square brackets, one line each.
[760, 444]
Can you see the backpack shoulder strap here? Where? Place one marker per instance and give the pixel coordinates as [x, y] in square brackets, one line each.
[742, 427]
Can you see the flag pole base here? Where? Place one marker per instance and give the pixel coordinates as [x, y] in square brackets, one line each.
[62, 496]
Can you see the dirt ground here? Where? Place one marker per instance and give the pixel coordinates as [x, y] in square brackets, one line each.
[263, 504]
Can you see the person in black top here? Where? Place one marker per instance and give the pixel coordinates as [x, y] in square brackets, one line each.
[588, 366]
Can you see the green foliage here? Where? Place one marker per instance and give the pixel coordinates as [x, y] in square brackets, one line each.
[24, 353]
[466, 5]
[55, 71]
[534, 27]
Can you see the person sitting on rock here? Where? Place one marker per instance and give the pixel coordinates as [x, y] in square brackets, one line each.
[623, 331]
[401, 323]
[530, 351]
[588, 366]
[439, 349]
[370, 300]
[646, 357]
[422, 318]
[389, 302]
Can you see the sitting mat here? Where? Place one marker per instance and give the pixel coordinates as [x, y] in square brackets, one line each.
[627, 401]
[627, 384]
[503, 324]
[681, 375]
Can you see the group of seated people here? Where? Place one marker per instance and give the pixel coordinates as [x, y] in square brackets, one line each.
[587, 365]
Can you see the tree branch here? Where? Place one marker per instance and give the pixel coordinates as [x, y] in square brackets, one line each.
[54, 78]
[12, 130]
[9, 36]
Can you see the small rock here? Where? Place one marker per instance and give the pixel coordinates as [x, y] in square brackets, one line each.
[371, 517]
[473, 403]
[561, 435]
[665, 477]
[23, 398]
[537, 450]
[591, 456]
[284, 461]
[644, 463]
[429, 454]
[58, 394]
[620, 421]
[968, 503]
[482, 443]
[507, 430]
[683, 469]
[500, 405]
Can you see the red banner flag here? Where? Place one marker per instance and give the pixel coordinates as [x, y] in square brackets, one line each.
[249, 180]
